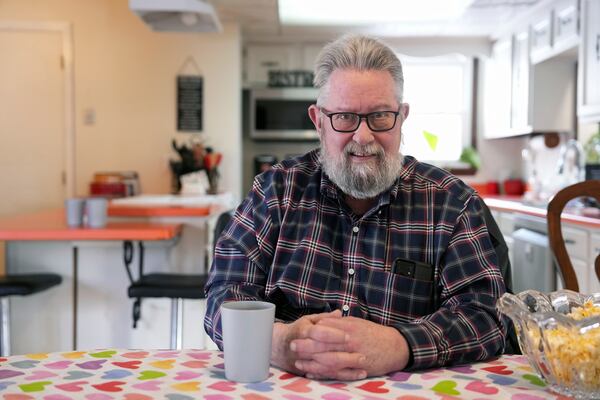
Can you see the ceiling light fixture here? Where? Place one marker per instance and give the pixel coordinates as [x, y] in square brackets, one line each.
[360, 12]
[177, 15]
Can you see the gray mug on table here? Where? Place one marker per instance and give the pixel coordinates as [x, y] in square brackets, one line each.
[74, 209]
[96, 210]
[247, 331]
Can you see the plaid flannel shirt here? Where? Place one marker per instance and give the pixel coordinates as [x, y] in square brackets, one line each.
[294, 242]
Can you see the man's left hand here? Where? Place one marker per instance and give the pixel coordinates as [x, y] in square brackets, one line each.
[383, 349]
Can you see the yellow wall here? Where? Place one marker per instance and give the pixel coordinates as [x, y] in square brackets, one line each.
[126, 74]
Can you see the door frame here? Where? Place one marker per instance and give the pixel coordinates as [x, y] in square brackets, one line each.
[66, 32]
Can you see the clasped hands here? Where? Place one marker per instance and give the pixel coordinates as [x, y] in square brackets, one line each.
[329, 346]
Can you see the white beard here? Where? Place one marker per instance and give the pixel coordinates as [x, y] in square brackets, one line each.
[364, 180]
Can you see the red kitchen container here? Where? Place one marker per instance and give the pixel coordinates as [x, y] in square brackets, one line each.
[514, 187]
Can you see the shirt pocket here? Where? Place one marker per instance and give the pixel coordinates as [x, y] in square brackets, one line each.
[390, 297]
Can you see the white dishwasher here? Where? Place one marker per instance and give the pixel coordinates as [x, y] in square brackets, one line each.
[533, 263]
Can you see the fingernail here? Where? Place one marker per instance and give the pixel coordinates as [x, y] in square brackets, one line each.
[362, 375]
[309, 376]
[293, 346]
[298, 364]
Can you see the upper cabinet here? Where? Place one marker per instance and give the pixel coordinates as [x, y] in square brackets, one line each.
[262, 58]
[554, 30]
[530, 78]
[588, 108]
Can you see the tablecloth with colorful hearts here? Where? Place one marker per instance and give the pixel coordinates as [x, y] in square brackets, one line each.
[193, 374]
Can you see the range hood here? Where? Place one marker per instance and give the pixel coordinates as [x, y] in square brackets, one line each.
[177, 15]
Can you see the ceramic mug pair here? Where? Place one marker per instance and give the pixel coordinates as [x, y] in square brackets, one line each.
[92, 210]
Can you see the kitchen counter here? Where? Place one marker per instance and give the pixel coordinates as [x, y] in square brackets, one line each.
[50, 225]
[517, 204]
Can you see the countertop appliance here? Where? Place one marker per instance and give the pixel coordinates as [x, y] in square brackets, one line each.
[281, 113]
[533, 263]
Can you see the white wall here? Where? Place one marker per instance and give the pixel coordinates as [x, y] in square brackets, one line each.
[125, 74]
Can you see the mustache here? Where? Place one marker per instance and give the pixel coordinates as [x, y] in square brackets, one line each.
[369, 149]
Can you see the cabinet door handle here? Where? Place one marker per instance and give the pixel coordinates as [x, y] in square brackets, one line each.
[598, 47]
[569, 241]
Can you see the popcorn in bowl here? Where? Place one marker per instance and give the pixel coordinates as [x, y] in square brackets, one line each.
[560, 334]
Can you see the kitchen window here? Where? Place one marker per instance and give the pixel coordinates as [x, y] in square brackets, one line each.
[439, 91]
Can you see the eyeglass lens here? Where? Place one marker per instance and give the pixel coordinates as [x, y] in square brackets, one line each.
[377, 121]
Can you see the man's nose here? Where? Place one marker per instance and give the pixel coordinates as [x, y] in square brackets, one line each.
[363, 134]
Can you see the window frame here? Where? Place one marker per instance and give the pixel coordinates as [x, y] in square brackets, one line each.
[469, 66]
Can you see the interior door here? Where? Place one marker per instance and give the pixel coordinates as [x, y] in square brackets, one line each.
[32, 121]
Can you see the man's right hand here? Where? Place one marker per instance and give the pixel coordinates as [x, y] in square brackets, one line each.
[320, 338]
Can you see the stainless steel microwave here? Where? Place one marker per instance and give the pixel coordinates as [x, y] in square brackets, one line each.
[282, 113]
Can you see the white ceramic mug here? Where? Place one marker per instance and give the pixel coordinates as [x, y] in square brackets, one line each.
[247, 330]
[96, 210]
[74, 210]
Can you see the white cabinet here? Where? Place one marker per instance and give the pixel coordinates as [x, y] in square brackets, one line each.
[262, 58]
[541, 35]
[497, 90]
[576, 242]
[565, 26]
[521, 70]
[554, 29]
[594, 284]
[588, 108]
[518, 98]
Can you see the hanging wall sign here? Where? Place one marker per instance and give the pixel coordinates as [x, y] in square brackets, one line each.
[189, 103]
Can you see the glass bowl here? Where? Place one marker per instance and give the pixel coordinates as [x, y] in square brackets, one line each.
[559, 337]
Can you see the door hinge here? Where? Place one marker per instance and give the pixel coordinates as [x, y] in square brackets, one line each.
[63, 177]
[62, 61]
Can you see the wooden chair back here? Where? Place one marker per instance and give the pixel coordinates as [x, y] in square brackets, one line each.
[589, 188]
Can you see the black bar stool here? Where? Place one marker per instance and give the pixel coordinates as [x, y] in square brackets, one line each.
[19, 285]
[176, 287]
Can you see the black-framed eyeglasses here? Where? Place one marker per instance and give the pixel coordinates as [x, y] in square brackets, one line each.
[347, 122]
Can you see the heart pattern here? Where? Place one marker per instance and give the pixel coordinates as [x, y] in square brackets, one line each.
[107, 374]
[76, 386]
[145, 375]
[163, 364]
[25, 364]
[300, 385]
[77, 375]
[135, 354]
[374, 387]
[39, 375]
[225, 386]
[112, 386]
[499, 369]
[481, 387]
[446, 387]
[96, 364]
[128, 364]
[104, 354]
[8, 373]
[186, 375]
[58, 365]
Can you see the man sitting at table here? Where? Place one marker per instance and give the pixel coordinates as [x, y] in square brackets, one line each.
[376, 262]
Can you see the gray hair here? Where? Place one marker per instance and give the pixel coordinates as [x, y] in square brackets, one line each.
[360, 53]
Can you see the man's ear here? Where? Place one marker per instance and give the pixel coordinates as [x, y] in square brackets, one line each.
[313, 113]
[404, 110]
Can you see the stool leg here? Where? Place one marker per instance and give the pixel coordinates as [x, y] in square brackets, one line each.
[4, 327]
[176, 324]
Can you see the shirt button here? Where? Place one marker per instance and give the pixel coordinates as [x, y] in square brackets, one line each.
[379, 212]
[351, 271]
[355, 229]
[345, 308]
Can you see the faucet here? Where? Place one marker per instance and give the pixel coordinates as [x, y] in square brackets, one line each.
[571, 164]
